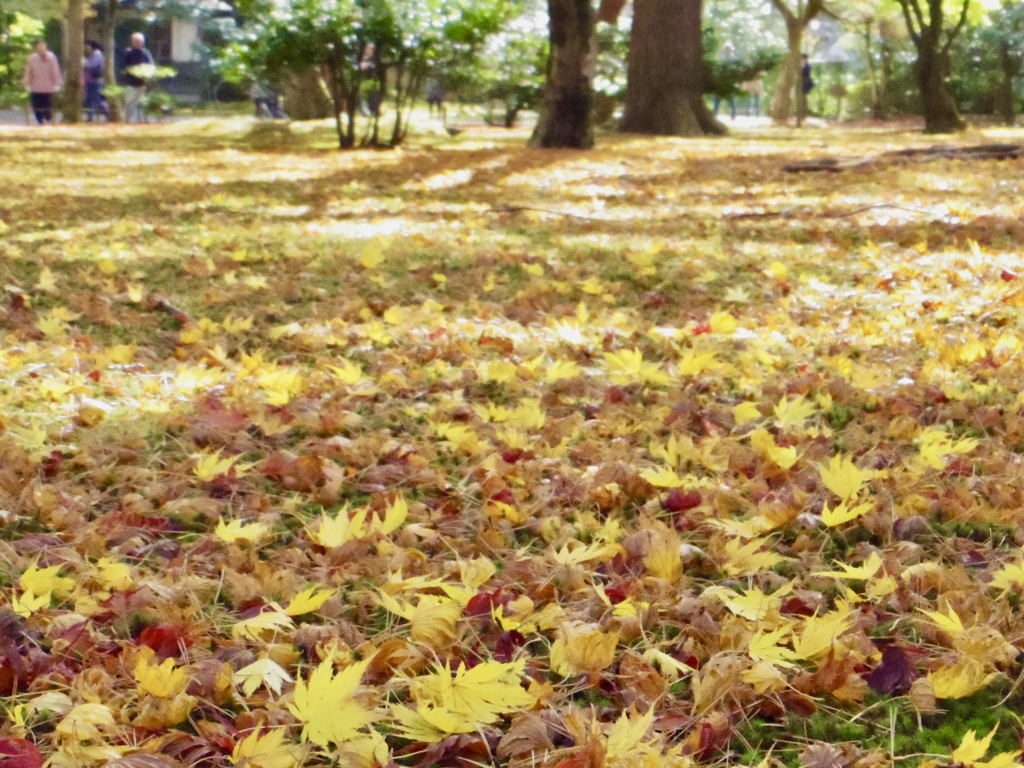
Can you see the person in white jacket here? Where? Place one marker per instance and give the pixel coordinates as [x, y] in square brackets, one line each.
[42, 79]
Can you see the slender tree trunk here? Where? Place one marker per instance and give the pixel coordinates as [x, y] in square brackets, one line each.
[665, 90]
[872, 67]
[110, 56]
[883, 110]
[566, 118]
[74, 47]
[940, 112]
[789, 73]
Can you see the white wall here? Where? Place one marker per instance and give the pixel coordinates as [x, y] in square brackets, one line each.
[183, 35]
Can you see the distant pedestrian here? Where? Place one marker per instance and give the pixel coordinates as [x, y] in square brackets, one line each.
[42, 79]
[806, 81]
[806, 86]
[92, 77]
[435, 98]
[135, 58]
[754, 90]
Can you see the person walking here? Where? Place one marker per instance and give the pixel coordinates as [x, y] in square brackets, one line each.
[806, 86]
[135, 57]
[42, 79]
[92, 75]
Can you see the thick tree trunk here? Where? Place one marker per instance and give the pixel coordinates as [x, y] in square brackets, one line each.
[940, 112]
[1006, 97]
[789, 74]
[74, 51]
[566, 118]
[306, 97]
[665, 90]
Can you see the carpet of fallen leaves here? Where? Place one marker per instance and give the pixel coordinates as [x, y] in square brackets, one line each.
[469, 454]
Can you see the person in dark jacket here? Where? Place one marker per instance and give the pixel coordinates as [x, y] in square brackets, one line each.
[135, 82]
[92, 77]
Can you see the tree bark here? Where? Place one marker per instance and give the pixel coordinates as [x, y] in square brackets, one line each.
[566, 118]
[790, 82]
[789, 74]
[940, 112]
[1006, 97]
[110, 56]
[74, 47]
[925, 24]
[305, 96]
[665, 87]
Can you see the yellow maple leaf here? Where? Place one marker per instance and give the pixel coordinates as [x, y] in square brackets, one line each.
[582, 553]
[210, 465]
[1010, 575]
[693, 363]
[746, 559]
[864, 571]
[793, 413]
[948, 622]
[745, 412]
[723, 323]
[965, 678]
[664, 559]
[52, 325]
[237, 325]
[764, 677]
[561, 369]
[264, 671]
[308, 601]
[583, 649]
[670, 667]
[767, 646]
[752, 603]
[394, 515]
[820, 633]
[239, 530]
[164, 681]
[47, 281]
[432, 620]
[326, 705]
[763, 441]
[335, 531]
[259, 626]
[843, 514]
[662, 477]
[972, 749]
[113, 575]
[473, 697]
[267, 750]
[627, 366]
[429, 724]
[28, 603]
[843, 477]
[371, 255]
[627, 735]
[87, 722]
[43, 581]
[347, 372]
[934, 445]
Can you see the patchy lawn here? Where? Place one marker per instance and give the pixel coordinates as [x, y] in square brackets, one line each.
[473, 454]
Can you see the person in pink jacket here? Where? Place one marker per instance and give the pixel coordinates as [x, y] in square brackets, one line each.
[42, 79]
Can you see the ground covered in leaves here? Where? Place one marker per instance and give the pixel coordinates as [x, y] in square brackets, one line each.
[468, 454]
